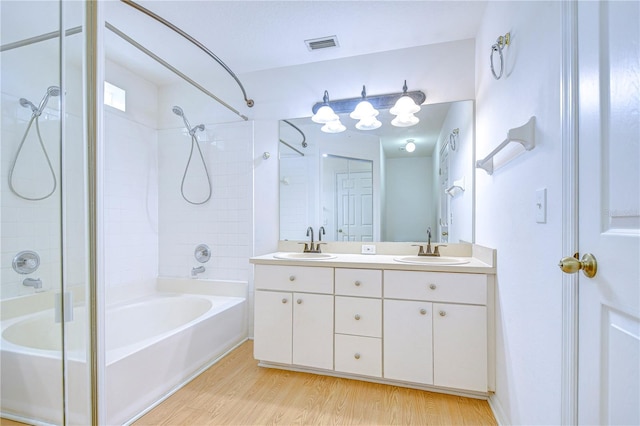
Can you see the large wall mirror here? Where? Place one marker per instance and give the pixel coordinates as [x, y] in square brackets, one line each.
[370, 186]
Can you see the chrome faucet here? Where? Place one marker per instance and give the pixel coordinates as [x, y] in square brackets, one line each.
[32, 282]
[196, 270]
[311, 246]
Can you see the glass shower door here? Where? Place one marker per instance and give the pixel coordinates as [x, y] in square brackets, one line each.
[42, 214]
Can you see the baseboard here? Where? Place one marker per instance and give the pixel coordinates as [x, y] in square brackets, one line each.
[498, 411]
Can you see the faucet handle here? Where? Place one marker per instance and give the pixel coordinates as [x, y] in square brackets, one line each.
[436, 250]
[421, 250]
[318, 246]
[306, 247]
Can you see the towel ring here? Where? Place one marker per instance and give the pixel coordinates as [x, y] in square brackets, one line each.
[500, 43]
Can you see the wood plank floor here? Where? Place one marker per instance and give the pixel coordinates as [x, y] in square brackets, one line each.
[236, 391]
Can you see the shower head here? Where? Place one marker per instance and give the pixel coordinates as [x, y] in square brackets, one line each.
[28, 104]
[51, 91]
[178, 111]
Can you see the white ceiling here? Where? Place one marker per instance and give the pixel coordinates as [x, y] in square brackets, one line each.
[257, 35]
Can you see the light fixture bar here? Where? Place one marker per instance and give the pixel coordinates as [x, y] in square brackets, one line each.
[379, 102]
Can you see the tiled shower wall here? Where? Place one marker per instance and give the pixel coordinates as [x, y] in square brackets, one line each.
[224, 223]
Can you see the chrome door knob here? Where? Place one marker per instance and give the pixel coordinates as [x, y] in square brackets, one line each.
[357, 283]
[442, 313]
[284, 300]
[588, 264]
[357, 356]
[432, 286]
[423, 311]
[292, 278]
[357, 317]
[299, 301]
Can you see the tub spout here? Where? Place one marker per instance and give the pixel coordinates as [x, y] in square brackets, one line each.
[33, 282]
[196, 270]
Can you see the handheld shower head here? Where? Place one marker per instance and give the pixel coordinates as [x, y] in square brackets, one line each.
[51, 91]
[28, 104]
[178, 111]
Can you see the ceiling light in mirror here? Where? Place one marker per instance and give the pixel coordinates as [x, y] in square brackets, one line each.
[368, 123]
[406, 120]
[410, 146]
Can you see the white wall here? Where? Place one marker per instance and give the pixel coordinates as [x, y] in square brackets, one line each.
[528, 298]
[405, 212]
[130, 188]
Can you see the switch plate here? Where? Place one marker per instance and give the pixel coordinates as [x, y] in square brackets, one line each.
[541, 205]
[368, 249]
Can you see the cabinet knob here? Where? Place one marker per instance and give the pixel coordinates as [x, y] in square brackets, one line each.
[299, 301]
[423, 311]
[292, 277]
[357, 317]
[432, 286]
[442, 313]
[284, 300]
[357, 356]
[357, 283]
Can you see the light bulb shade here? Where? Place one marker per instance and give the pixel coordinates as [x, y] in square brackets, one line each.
[406, 120]
[324, 115]
[404, 105]
[364, 110]
[368, 123]
[410, 147]
[334, 126]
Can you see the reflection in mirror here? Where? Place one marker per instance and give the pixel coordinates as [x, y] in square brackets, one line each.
[411, 191]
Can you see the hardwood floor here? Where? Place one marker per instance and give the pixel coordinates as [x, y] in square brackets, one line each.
[236, 391]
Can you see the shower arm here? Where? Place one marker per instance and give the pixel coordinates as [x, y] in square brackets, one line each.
[202, 47]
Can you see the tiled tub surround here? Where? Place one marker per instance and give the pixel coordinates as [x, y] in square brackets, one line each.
[370, 317]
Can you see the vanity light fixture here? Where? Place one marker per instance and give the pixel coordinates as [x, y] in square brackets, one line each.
[364, 109]
[404, 109]
[334, 126]
[325, 113]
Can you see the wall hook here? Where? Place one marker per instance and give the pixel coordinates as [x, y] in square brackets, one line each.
[266, 155]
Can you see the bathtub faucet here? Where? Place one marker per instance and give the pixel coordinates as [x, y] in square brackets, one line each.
[32, 282]
[195, 271]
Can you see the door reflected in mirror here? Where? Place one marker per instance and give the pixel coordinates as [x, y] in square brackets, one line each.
[367, 186]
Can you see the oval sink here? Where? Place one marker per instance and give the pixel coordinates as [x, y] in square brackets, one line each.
[304, 256]
[432, 260]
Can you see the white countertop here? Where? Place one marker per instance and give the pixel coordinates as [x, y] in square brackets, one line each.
[377, 261]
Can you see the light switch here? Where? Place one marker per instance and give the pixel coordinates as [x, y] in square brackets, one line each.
[541, 205]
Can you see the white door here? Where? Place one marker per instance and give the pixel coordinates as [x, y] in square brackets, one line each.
[313, 330]
[609, 212]
[354, 195]
[272, 329]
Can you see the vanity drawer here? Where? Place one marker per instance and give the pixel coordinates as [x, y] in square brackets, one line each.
[362, 317]
[358, 355]
[294, 278]
[359, 282]
[436, 286]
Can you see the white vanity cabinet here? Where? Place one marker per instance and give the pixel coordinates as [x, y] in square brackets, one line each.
[387, 323]
[454, 324]
[294, 315]
[358, 321]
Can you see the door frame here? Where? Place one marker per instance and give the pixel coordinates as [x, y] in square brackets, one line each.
[569, 122]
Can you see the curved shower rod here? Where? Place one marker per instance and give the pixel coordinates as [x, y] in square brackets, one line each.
[202, 47]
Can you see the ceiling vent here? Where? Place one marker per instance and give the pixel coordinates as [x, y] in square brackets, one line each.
[322, 43]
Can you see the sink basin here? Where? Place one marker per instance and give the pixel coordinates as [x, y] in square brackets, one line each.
[304, 256]
[432, 260]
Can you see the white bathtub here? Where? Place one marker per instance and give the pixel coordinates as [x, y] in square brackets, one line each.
[154, 345]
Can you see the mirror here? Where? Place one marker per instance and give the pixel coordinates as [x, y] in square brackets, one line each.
[366, 186]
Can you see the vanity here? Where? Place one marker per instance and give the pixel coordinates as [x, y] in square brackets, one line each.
[391, 317]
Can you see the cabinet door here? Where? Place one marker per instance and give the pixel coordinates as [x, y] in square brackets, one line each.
[460, 346]
[408, 352]
[313, 330]
[272, 326]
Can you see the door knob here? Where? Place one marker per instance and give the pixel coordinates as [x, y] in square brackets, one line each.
[571, 265]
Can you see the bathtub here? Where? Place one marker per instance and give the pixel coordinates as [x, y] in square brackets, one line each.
[154, 344]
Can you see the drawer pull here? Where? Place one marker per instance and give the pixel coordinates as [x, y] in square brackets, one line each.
[284, 300]
[357, 283]
[432, 286]
[357, 317]
[357, 356]
[299, 301]
[423, 311]
[292, 277]
[443, 313]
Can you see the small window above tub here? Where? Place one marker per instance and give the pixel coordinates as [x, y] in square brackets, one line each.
[114, 96]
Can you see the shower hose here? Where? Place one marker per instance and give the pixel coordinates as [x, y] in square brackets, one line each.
[34, 117]
[194, 142]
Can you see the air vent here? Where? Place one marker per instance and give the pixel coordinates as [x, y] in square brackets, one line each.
[322, 43]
